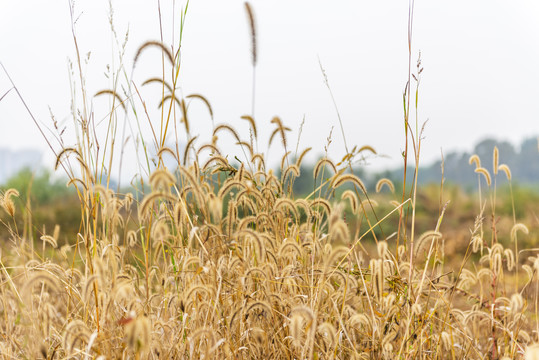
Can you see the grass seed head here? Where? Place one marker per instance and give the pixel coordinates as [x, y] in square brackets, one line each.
[506, 170]
[252, 27]
[7, 202]
[474, 159]
[495, 160]
[384, 181]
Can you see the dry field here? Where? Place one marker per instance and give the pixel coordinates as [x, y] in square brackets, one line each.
[215, 258]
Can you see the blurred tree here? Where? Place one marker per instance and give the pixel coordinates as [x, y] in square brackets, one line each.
[43, 188]
[524, 164]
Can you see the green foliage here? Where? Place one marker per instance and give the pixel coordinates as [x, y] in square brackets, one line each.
[525, 198]
[43, 188]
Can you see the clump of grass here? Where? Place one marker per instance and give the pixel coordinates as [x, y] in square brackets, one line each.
[220, 260]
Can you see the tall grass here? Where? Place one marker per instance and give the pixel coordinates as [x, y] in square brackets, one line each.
[216, 259]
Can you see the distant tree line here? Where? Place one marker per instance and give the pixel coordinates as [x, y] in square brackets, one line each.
[522, 160]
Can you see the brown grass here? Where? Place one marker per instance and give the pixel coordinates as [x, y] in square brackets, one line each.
[219, 260]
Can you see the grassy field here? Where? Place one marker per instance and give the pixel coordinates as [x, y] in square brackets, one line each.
[214, 258]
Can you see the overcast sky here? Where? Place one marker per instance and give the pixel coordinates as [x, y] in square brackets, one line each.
[480, 58]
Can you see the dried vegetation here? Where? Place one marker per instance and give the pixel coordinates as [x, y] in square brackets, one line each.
[221, 260]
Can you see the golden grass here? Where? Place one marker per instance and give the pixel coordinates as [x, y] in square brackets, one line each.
[219, 260]
[194, 279]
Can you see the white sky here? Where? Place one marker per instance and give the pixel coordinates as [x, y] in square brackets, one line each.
[481, 60]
